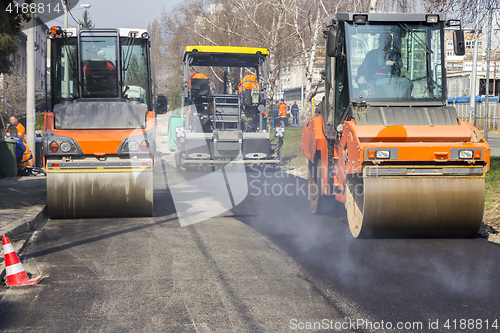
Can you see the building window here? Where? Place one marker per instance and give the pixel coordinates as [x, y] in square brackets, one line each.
[469, 44]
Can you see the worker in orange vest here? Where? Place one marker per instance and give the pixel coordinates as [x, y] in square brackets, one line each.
[282, 112]
[24, 157]
[248, 82]
[20, 130]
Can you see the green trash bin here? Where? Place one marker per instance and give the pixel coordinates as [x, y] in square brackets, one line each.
[8, 163]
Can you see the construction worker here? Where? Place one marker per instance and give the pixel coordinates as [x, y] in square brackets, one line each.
[379, 63]
[295, 113]
[282, 112]
[245, 87]
[200, 85]
[100, 79]
[19, 145]
[20, 130]
[248, 82]
[24, 157]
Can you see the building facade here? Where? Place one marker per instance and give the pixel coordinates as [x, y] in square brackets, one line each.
[459, 68]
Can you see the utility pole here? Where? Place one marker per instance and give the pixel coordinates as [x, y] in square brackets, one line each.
[472, 114]
[65, 14]
[30, 86]
[65, 84]
[495, 74]
[488, 51]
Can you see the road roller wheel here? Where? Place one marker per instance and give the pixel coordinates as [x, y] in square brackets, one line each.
[414, 206]
[354, 204]
[318, 202]
[99, 194]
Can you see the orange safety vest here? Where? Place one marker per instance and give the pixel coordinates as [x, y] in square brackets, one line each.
[282, 110]
[27, 159]
[248, 82]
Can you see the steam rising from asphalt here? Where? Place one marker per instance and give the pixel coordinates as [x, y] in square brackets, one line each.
[385, 271]
[325, 243]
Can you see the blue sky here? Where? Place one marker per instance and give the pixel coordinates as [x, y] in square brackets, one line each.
[120, 13]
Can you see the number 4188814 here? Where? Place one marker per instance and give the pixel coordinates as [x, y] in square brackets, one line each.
[471, 324]
[33, 8]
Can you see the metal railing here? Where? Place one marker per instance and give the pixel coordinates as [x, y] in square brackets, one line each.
[463, 108]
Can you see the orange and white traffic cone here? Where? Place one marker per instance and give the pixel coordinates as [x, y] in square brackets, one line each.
[14, 271]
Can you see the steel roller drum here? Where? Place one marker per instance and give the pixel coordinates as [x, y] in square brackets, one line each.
[99, 194]
[406, 206]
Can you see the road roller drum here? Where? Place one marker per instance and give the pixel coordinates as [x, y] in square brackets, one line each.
[99, 194]
[411, 206]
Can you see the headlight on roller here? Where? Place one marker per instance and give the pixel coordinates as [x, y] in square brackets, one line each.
[465, 154]
[382, 154]
[133, 145]
[65, 146]
[55, 145]
[138, 144]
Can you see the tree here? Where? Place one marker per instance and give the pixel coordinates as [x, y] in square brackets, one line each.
[135, 74]
[10, 26]
[13, 95]
[87, 21]
[290, 29]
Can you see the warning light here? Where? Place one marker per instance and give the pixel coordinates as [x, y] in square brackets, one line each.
[56, 31]
[53, 147]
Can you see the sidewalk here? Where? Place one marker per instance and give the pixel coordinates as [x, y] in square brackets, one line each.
[22, 200]
[22, 208]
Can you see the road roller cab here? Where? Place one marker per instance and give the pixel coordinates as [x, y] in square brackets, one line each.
[98, 141]
[384, 141]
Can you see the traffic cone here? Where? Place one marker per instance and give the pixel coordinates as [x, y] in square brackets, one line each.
[14, 271]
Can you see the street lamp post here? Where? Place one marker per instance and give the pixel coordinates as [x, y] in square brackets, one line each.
[488, 51]
[30, 85]
[83, 6]
[472, 115]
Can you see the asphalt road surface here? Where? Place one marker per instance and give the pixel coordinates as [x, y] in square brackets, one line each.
[266, 265]
[150, 274]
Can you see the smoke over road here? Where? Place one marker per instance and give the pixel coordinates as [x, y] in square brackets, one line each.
[409, 279]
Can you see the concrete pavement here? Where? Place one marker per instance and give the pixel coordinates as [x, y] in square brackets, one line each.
[22, 208]
[22, 201]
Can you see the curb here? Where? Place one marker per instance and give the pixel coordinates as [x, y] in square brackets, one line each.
[29, 222]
